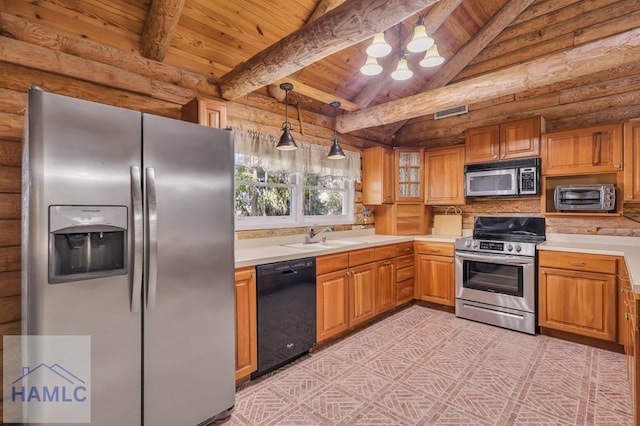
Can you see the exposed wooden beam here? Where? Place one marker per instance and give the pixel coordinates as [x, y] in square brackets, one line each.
[346, 25]
[319, 95]
[162, 20]
[469, 51]
[39, 35]
[588, 58]
[435, 17]
[323, 7]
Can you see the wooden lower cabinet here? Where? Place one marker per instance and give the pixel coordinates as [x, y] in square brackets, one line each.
[435, 268]
[581, 300]
[332, 316]
[354, 287]
[246, 325]
[362, 293]
[385, 286]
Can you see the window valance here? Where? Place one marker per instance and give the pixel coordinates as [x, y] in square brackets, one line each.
[255, 149]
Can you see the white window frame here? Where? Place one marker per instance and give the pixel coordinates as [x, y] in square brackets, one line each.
[297, 219]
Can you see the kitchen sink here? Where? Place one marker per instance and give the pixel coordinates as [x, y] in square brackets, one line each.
[328, 244]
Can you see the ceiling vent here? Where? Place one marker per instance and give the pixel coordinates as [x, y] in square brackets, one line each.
[450, 112]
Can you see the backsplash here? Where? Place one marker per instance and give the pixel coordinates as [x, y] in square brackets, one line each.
[530, 206]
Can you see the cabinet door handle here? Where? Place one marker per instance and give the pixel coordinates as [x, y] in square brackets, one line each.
[596, 145]
[617, 166]
[576, 263]
[627, 316]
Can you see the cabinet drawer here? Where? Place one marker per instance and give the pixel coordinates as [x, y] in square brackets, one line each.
[404, 249]
[404, 291]
[404, 262]
[578, 261]
[385, 252]
[360, 257]
[440, 249]
[405, 274]
[331, 262]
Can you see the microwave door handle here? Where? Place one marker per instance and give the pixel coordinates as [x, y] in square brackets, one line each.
[136, 271]
[152, 238]
[509, 260]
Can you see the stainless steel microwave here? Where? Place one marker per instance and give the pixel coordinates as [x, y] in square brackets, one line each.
[592, 197]
[504, 178]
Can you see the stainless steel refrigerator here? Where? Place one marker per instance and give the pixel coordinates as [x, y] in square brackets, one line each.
[128, 238]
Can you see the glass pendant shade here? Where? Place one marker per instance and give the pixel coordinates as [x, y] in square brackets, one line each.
[286, 142]
[336, 152]
[402, 72]
[432, 58]
[379, 47]
[371, 67]
[420, 41]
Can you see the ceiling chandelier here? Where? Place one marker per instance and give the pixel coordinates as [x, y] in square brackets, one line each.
[420, 42]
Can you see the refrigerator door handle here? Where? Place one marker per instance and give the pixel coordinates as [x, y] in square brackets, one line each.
[136, 274]
[152, 238]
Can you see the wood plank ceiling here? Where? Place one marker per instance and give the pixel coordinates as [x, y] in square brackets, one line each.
[575, 62]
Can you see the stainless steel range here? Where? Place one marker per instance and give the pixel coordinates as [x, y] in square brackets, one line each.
[496, 272]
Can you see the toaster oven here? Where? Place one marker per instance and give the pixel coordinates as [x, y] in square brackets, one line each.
[590, 197]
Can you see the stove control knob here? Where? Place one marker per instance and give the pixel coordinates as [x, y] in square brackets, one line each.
[518, 248]
[510, 247]
[467, 243]
[474, 244]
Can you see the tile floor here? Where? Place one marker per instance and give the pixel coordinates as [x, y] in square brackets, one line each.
[427, 367]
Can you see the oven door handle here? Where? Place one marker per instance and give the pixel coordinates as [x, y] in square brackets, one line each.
[507, 260]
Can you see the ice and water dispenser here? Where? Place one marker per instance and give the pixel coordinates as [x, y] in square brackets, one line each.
[86, 242]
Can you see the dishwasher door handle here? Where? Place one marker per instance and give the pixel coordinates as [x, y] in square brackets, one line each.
[289, 272]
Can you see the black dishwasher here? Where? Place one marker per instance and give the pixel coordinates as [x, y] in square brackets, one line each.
[286, 304]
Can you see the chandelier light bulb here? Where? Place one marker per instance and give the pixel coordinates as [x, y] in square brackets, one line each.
[420, 40]
[432, 58]
[371, 67]
[379, 47]
[402, 72]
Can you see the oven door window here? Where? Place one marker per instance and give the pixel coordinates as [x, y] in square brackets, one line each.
[493, 277]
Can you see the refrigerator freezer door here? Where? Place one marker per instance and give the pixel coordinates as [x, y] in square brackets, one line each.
[79, 153]
[189, 346]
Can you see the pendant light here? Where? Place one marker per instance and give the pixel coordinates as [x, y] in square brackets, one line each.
[379, 47]
[286, 142]
[371, 67]
[402, 71]
[336, 152]
[420, 40]
[432, 58]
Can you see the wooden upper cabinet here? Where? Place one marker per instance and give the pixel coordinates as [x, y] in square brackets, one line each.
[409, 175]
[504, 141]
[482, 144]
[632, 161]
[444, 171]
[377, 176]
[583, 151]
[206, 112]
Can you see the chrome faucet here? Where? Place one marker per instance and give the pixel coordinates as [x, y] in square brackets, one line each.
[313, 233]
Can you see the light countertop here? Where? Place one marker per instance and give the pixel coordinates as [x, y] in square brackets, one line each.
[627, 247]
[259, 251]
